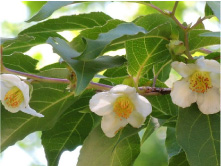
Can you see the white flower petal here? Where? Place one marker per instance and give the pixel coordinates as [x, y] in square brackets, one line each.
[143, 106]
[183, 69]
[136, 119]
[10, 79]
[30, 111]
[125, 89]
[209, 102]
[208, 65]
[102, 103]
[181, 94]
[215, 78]
[111, 123]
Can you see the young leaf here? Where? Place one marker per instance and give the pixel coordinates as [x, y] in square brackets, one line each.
[48, 9]
[51, 100]
[199, 136]
[40, 32]
[70, 130]
[84, 70]
[94, 48]
[100, 150]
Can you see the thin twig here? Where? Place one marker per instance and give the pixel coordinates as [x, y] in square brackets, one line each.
[186, 43]
[199, 21]
[174, 8]
[204, 50]
[156, 8]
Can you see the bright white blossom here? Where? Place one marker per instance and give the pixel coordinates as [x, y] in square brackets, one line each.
[200, 84]
[120, 106]
[15, 95]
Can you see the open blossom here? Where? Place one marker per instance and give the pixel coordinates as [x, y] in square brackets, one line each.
[200, 83]
[15, 95]
[120, 106]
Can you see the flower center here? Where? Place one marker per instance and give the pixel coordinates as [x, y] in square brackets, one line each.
[200, 82]
[14, 97]
[123, 107]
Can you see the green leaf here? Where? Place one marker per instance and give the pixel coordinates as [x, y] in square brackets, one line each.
[208, 11]
[150, 127]
[51, 100]
[172, 146]
[79, 44]
[142, 54]
[199, 136]
[40, 32]
[8, 41]
[20, 62]
[70, 130]
[213, 55]
[150, 50]
[94, 48]
[48, 9]
[162, 106]
[55, 73]
[100, 150]
[211, 34]
[197, 41]
[179, 159]
[215, 6]
[84, 70]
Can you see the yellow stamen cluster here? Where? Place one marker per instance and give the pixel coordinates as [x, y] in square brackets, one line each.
[14, 97]
[200, 82]
[123, 107]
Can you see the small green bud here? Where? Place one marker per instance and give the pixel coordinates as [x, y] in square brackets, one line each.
[176, 47]
[129, 81]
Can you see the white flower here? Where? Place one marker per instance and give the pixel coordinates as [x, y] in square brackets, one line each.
[15, 95]
[200, 83]
[120, 106]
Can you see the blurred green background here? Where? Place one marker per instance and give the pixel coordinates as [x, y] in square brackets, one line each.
[12, 21]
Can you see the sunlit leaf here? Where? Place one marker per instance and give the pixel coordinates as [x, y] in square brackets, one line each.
[40, 32]
[48, 9]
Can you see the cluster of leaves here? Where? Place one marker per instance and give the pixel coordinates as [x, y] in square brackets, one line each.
[192, 137]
